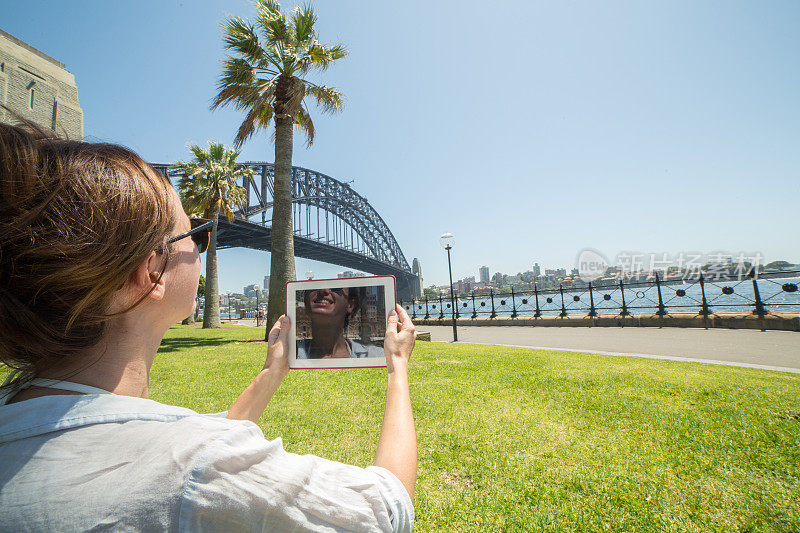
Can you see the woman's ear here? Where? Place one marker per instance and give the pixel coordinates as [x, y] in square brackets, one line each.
[147, 275]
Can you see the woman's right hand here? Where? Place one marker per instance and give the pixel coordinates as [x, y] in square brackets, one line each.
[397, 444]
[399, 340]
[278, 347]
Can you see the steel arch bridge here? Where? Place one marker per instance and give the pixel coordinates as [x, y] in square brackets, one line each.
[332, 223]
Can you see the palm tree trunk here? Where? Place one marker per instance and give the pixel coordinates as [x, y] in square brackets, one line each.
[211, 312]
[282, 248]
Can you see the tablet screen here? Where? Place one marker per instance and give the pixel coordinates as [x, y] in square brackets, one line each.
[339, 323]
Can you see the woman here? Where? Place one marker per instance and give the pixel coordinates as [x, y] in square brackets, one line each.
[97, 261]
[331, 311]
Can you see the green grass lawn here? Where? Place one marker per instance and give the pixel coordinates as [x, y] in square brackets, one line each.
[513, 439]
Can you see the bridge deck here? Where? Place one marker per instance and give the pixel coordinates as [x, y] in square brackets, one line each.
[243, 234]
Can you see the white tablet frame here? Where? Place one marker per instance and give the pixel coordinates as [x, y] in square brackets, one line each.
[390, 298]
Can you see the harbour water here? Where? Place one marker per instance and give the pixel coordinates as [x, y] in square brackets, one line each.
[777, 295]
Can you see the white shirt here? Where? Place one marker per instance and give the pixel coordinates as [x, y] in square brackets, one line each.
[80, 462]
[354, 348]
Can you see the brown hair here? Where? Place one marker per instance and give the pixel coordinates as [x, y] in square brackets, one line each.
[76, 219]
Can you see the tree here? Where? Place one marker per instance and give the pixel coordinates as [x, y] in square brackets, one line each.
[201, 290]
[431, 292]
[777, 265]
[209, 188]
[265, 78]
[201, 286]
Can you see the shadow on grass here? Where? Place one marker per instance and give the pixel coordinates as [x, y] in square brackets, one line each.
[175, 344]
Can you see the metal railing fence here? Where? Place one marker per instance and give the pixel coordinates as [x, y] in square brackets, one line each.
[761, 295]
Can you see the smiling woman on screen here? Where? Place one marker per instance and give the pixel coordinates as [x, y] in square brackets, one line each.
[97, 261]
[331, 311]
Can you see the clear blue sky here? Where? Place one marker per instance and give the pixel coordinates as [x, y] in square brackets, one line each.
[528, 129]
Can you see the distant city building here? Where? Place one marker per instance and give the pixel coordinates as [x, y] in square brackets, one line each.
[38, 88]
[369, 326]
[497, 279]
[465, 285]
[252, 291]
[350, 274]
[266, 283]
[484, 274]
[537, 271]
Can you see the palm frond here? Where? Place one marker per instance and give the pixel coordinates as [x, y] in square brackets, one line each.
[328, 98]
[235, 83]
[303, 21]
[321, 56]
[303, 120]
[216, 153]
[200, 155]
[241, 37]
[273, 24]
[268, 9]
[259, 111]
[258, 117]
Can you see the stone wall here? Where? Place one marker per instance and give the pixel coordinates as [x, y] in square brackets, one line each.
[38, 88]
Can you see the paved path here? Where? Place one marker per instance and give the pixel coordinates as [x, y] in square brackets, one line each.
[773, 350]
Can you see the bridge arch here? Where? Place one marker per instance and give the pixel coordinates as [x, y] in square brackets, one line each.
[370, 245]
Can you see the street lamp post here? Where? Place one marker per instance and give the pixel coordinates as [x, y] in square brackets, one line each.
[447, 241]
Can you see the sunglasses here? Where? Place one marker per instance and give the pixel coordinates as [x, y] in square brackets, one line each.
[338, 291]
[200, 233]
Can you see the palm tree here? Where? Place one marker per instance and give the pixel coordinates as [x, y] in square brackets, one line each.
[266, 78]
[209, 188]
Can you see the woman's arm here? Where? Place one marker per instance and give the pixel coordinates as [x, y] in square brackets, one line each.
[397, 445]
[252, 402]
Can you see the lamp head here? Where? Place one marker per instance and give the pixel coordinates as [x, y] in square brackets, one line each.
[447, 241]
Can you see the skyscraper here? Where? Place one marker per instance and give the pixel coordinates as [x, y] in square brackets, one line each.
[537, 271]
[484, 274]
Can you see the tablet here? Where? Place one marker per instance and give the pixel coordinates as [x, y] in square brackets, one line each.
[339, 323]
